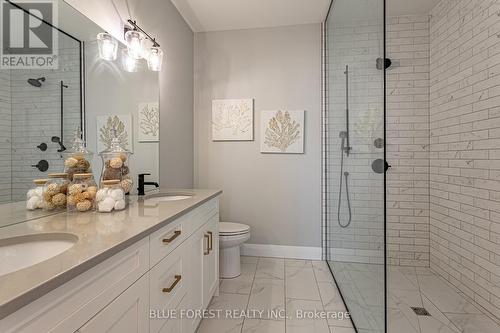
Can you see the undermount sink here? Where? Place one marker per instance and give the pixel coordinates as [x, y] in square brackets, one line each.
[23, 251]
[160, 197]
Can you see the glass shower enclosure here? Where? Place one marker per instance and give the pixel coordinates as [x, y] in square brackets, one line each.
[354, 157]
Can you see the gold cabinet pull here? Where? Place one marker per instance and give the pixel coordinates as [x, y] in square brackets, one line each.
[210, 243]
[176, 234]
[207, 252]
[177, 280]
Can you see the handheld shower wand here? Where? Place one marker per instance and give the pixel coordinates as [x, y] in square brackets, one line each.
[344, 175]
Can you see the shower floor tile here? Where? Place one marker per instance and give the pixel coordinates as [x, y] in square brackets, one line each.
[450, 311]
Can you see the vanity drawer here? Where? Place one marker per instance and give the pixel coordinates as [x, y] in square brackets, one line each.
[165, 240]
[205, 212]
[71, 305]
[168, 283]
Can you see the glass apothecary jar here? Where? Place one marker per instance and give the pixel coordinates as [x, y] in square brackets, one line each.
[82, 193]
[34, 197]
[110, 196]
[55, 191]
[77, 159]
[115, 165]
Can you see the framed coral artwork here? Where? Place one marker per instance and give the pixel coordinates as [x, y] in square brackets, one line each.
[109, 126]
[232, 120]
[149, 122]
[282, 132]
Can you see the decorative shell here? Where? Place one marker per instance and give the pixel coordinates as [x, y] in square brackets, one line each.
[120, 204]
[75, 189]
[33, 203]
[116, 163]
[110, 173]
[101, 194]
[123, 157]
[126, 185]
[116, 194]
[71, 200]
[70, 162]
[106, 205]
[83, 165]
[84, 206]
[59, 199]
[80, 197]
[52, 189]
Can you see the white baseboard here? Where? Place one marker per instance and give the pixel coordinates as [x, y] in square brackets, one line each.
[281, 251]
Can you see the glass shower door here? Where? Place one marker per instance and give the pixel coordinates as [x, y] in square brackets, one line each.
[355, 157]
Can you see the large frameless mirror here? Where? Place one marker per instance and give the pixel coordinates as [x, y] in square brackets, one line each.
[41, 108]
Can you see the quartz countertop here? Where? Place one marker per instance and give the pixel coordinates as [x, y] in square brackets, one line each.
[100, 236]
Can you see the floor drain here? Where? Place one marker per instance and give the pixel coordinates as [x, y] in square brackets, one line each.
[420, 311]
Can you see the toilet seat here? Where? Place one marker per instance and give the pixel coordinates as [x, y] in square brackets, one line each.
[233, 229]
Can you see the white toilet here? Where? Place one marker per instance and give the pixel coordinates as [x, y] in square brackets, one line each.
[231, 236]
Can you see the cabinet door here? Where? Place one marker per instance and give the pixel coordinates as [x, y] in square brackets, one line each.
[129, 312]
[211, 260]
[198, 245]
[179, 324]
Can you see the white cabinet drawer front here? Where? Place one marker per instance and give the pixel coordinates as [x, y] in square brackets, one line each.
[165, 240]
[128, 313]
[202, 214]
[68, 307]
[169, 281]
[178, 324]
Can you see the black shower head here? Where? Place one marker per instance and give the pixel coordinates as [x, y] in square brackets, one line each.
[36, 82]
[57, 140]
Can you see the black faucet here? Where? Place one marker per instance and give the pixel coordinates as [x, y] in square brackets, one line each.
[140, 188]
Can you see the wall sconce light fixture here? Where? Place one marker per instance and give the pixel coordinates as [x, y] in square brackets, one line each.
[108, 46]
[129, 63]
[155, 59]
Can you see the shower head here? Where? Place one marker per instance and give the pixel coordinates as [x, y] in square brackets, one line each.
[57, 140]
[36, 82]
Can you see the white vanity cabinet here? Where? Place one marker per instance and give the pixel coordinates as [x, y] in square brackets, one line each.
[173, 269]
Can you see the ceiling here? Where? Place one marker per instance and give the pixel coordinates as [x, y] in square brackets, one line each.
[219, 15]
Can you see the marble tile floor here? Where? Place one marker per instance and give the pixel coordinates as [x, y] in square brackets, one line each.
[279, 286]
[286, 285]
[450, 311]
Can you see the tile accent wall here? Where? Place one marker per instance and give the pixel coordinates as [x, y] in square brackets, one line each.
[5, 136]
[465, 147]
[407, 126]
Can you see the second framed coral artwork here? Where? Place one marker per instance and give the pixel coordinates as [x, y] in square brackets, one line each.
[149, 122]
[282, 132]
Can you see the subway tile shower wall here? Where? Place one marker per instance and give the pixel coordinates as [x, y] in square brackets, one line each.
[5, 137]
[33, 117]
[465, 147]
[357, 44]
[407, 126]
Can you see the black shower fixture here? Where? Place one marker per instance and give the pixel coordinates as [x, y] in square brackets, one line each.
[36, 82]
[383, 62]
[42, 146]
[42, 165]
[57, 139]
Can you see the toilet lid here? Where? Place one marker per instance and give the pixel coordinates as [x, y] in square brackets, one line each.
[229, 228]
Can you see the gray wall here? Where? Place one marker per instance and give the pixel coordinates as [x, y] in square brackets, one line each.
[162, 20]
[277, 195]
